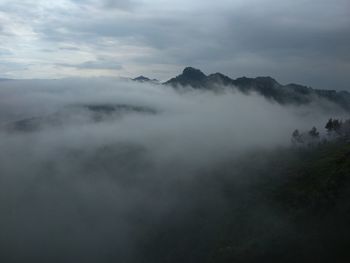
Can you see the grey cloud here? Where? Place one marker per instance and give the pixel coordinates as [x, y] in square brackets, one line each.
[288, 40]
[108, 4]
[5, 52]
[70, 48]
[121, 4]
[94, 64]
[7, 66]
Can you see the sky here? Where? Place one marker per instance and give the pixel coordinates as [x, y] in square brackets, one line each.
[300, 41]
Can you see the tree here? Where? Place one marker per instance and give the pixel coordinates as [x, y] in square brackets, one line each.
[329, 125]
[336, 125]
[314, 133]
[333, 126]
[296, 137]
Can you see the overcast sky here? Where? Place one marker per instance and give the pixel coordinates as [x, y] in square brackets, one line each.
[302, 41]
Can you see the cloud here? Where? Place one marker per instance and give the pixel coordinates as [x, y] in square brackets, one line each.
[5, 52]
[70, 48]
[108, 4]
[99, 64]
[121, 4]
[8, 67]
[99, 168]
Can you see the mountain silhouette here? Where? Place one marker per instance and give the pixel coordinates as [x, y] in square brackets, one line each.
[266, 86]
[190, 77]
[145, 79]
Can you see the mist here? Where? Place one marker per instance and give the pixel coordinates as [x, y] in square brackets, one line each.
[92, 170]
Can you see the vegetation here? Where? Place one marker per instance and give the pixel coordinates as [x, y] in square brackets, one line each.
[307, 202]
[336, 130]
[289, 205]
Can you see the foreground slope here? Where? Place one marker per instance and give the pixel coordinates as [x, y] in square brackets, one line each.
[290, 206]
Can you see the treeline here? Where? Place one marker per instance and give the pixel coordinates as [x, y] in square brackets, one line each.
[335, 130]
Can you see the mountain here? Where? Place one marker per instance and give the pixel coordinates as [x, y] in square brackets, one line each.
[266, 86]
[189, 77]
[70, 115]
[145, 79]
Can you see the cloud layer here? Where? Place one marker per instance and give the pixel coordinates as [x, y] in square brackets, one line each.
[87, 187]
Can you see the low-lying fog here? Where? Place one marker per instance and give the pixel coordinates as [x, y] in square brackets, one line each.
[90, 169]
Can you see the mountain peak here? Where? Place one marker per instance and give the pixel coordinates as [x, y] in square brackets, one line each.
[189, 77]
[193, 73]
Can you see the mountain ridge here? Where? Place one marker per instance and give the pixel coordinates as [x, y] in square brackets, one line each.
[264, 85]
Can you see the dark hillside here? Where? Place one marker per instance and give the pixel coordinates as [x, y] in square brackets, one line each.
[290, 206]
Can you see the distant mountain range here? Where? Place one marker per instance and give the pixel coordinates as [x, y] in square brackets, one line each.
[91, 112]
[266, 86]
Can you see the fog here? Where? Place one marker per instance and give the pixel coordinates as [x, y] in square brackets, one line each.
[92, 169]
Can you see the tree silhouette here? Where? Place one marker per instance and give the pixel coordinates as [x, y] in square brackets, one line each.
[296, 137]
[314, 133]
[333, 125]
[329, 125]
